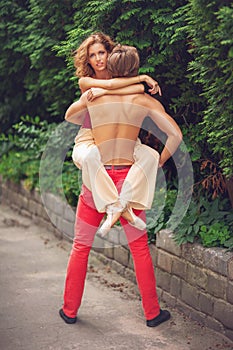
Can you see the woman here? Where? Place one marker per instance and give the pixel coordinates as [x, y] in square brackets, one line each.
[91, 68]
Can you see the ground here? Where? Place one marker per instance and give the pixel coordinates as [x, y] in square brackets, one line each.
[32, 273]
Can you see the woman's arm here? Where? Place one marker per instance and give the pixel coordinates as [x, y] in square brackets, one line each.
[76, 111]
[86, 83]
[128, 90]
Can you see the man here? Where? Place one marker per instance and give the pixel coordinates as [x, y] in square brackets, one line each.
[116, 122]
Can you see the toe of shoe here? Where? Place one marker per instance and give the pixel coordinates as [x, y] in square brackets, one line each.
[139, 224]
[67, 319]
[162, 317]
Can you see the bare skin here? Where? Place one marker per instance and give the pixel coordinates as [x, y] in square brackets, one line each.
[116, 121]
[97, 58]
[123, 136]
[136, 107]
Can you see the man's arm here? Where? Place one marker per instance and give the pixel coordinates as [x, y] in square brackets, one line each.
[168, 125]
[76, 112]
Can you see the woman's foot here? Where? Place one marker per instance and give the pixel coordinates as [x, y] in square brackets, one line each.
[133, 219]
[113, 213]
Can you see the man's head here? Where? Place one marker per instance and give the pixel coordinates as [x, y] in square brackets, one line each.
[123, 61]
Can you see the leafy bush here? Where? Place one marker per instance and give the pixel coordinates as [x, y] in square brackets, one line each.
[210, 38]
[160, 212]
[209, 222]
[215, 235]
[35, 142]
[71, 181]
[18, 165]
[185, 45]
[22, 149]
[34, 81]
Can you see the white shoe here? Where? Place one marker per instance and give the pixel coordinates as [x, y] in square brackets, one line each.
[113, 213]
[134, 220]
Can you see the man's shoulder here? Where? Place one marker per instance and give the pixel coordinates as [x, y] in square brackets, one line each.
[138, 99]
[148, 101]
[141, 99]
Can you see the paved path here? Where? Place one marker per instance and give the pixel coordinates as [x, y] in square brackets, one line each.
[32, 271]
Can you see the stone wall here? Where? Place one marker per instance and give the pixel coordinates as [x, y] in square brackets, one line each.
[195, 280]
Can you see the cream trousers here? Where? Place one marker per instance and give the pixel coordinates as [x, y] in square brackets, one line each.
[139, 185]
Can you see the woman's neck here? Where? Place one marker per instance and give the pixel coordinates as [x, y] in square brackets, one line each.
[102, 75]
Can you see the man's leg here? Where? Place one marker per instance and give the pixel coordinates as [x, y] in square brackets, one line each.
[138, 244]
[143, 265]
[144, 270]
[87, 222]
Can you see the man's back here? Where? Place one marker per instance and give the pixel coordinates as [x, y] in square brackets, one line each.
[116, 122]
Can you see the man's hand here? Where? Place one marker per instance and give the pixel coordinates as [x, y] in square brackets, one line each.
[160, 164]
[153, 85]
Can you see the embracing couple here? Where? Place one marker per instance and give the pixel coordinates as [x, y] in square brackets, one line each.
[118, 171]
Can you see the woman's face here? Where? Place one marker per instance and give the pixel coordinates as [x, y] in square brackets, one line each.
[97, 57]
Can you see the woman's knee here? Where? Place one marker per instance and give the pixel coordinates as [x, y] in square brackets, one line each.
[92, 155]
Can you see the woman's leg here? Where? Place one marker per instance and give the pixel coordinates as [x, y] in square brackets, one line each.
[139, 185]
[87, 222]
[96, 178]
[143, 265]
[86, 156]
[83, 142]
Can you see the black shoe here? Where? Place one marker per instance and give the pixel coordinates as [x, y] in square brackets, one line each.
[67, 319]
[162, 317]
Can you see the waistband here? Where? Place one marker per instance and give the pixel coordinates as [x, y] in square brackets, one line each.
[117, 167]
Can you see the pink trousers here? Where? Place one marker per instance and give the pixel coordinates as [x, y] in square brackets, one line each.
[86, 225]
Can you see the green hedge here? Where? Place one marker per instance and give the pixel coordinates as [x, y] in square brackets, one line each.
[185, 45]
[41, 156]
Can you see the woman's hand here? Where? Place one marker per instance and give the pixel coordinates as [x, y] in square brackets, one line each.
[95, 92]
[153, 85]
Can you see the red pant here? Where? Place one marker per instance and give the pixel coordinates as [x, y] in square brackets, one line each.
[86, 225]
